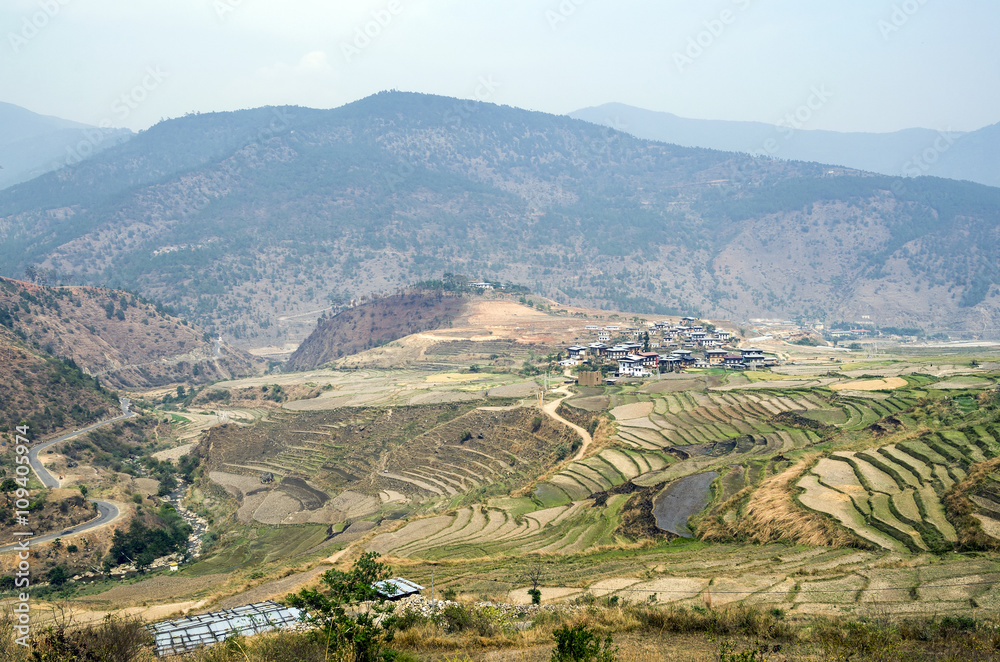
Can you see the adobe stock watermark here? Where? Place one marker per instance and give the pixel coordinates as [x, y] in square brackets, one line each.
[700, 43]
[223, 8]
[921, 163]
[784, 129]
[562, 12]
[33, 24]
[121, 108]
[365, 35]
[900, 16]
[216, 182]
[798, 118]
[22, 548]
[453, 117]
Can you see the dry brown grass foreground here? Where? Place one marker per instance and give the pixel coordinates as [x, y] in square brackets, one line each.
[640, 632]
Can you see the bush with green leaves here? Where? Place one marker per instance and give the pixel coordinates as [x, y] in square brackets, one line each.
[482, 620]
[352, 618]
[579, 644]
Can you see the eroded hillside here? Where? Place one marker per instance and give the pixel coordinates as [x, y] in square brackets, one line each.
[44, 392]
[378, 322]
[117, 336]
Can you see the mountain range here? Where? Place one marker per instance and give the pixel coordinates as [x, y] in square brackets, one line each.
[252, 223]
[970, 156]
[33, 144]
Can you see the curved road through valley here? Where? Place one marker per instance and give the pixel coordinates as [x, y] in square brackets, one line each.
[106, 511]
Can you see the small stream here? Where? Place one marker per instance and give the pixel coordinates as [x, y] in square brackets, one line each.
[198, 525]
[680, 500]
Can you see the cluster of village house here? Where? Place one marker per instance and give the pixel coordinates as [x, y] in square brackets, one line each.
[681, 339]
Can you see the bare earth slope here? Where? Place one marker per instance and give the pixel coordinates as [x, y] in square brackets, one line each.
[46, 394]
[116, 336]
[376, 323]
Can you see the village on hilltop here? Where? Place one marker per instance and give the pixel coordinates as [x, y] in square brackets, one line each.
[637, 358]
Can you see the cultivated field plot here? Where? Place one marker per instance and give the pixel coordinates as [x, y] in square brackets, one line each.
[387, 388]
[360, 461]
[892, 495]
[798, 579]
[668, 433]
[473, 489]
[477, 531]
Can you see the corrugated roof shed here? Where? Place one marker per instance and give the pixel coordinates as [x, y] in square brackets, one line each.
[392, 589]
[187, 634]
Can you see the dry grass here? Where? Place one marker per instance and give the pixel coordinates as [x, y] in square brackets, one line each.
[961, 510]
[888, 383]
[640, 631]
[770, 513]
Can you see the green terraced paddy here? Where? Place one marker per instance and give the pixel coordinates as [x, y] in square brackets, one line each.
[490, 532]
[896, 491]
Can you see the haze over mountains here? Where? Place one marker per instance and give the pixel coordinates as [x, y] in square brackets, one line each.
[33, 144]
[247, 220]
[970, 156]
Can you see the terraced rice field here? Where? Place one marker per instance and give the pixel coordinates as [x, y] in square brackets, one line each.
[801, 580]
[892, 496]
[655, 430]
[478, 531]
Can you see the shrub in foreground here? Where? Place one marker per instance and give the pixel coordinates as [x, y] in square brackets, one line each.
[579, 644]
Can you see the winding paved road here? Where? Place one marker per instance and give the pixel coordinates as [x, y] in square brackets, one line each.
[106, 511]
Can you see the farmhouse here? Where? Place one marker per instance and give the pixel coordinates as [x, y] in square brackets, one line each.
[624, 349]
[598, 349]
[734, 361]
[752, 356]
[650, 360]
[715, 356]
[577, 352]
[684, 355]
[632, 366]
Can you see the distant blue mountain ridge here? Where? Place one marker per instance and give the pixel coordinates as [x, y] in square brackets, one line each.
[972, 156]
[33, 144]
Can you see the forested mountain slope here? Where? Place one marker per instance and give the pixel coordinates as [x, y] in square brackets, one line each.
[244, 220]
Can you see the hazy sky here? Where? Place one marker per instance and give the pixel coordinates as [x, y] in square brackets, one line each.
[864, 65]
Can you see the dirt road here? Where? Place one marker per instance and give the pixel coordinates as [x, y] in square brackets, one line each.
[550, 409]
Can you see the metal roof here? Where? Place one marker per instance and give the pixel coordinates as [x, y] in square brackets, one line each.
[396, 588]
[187, 634]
